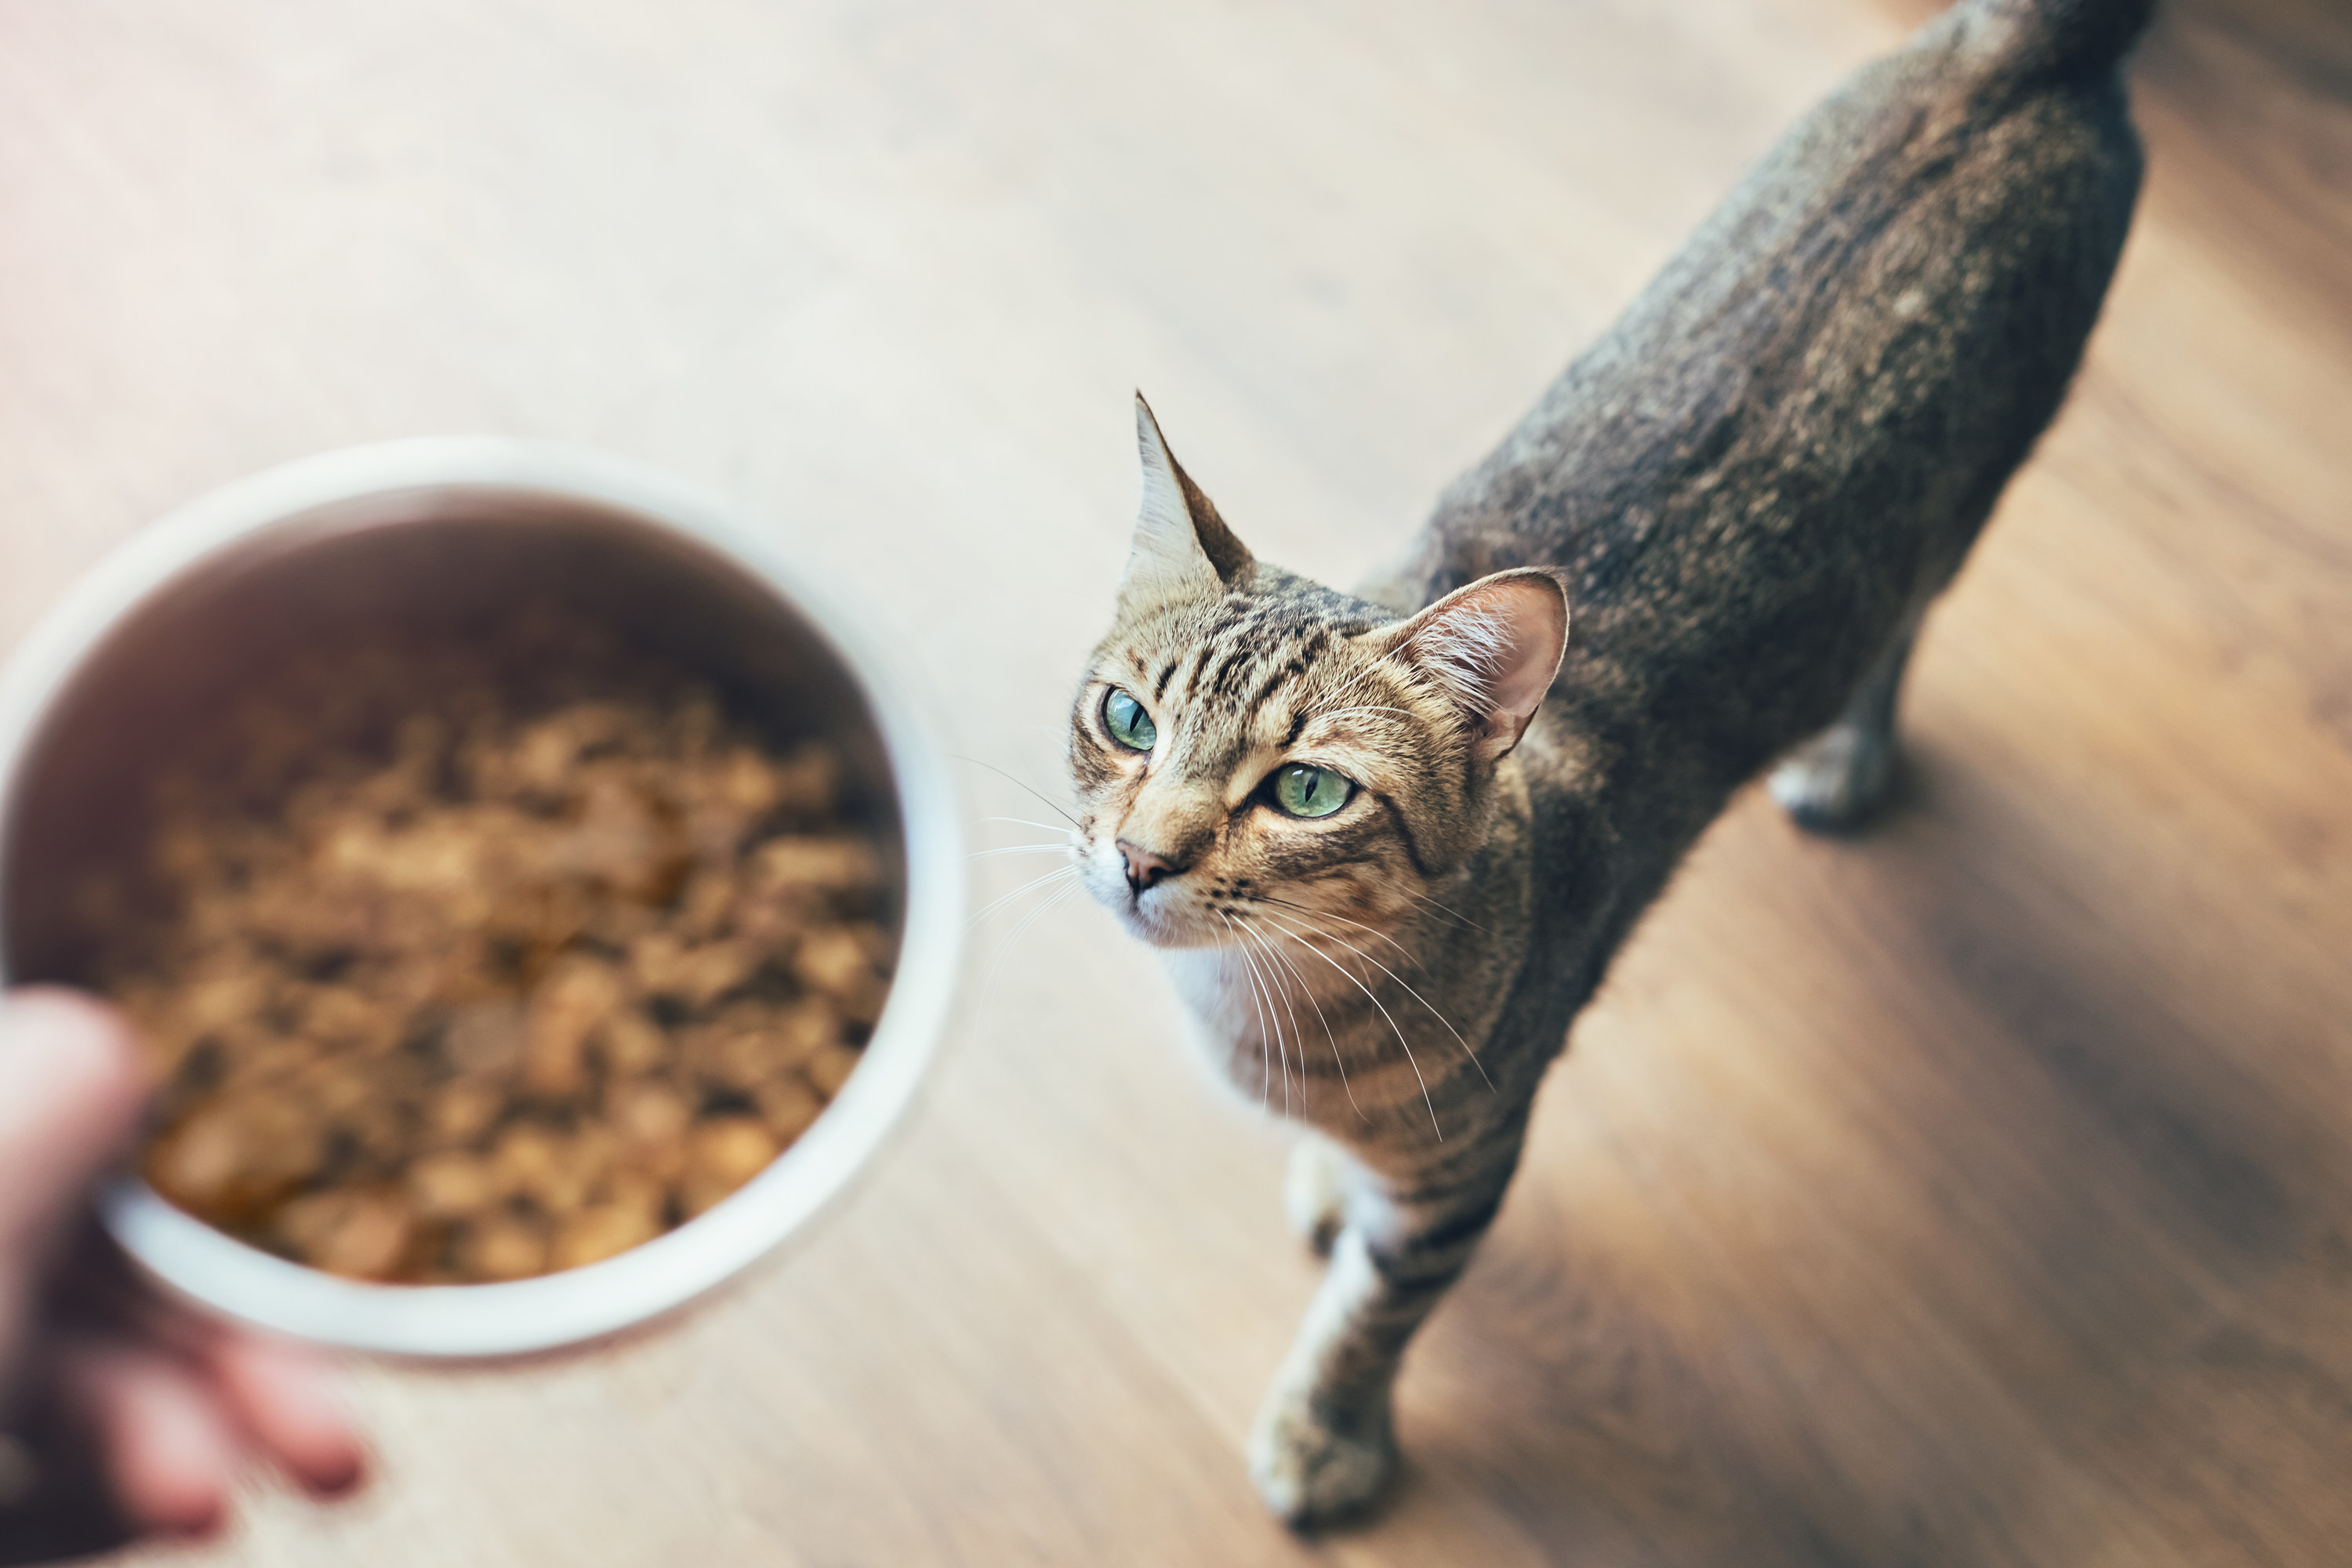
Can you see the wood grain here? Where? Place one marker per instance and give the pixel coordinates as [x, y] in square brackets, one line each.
[1978, 1191]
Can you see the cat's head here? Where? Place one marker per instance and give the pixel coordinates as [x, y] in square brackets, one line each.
[1245, 739]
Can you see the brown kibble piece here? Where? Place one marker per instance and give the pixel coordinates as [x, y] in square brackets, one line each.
[603, 1231]
[197, 1164]
[787, 1105]
[501, 1247]
[648, 1115]
[831, 1068]
[833, 962]
[622, 841]
[803, 1030]
[722, 1155]
[230, 1155]
[829, 864]
[362, 1234]
[631, 1044]
[486, 1037]
[665, 966]
[465, 1108]
[451, 1185]
[566, 1008]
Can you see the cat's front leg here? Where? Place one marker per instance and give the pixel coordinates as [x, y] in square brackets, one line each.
[1325, 1443]
[1315, 1191]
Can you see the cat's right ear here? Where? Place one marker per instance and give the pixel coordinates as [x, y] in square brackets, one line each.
[1182, 549]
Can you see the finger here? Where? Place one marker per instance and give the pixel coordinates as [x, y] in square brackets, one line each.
[168, 1453]
[284, 1399]
[70, 1092]
[281, 1396]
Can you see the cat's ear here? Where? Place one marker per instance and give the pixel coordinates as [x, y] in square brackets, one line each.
[1182, 549]
[1494, 647]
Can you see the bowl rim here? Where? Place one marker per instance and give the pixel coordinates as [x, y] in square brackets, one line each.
[217, 1272]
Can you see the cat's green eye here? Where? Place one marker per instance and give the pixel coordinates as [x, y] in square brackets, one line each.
[1129, 724]
[1302, 789]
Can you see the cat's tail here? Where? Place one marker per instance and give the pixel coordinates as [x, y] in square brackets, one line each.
[2053, 37]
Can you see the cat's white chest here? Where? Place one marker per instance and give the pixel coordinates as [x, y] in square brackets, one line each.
[1223, 1013]
[1216, 994]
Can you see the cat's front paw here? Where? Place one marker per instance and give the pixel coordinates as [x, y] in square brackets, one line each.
[1837, 781]
[1312, 1470]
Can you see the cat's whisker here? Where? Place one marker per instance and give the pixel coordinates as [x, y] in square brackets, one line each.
[1448, 910]
[1267, 1083]
[1059, 897]
[1326, 914]
[1265, 1080]
[1297, 1035]
[999, 773]
[1265, 989]
[994, 904]
[1336, 1061]
[1024, 850]
[1393, 1023]
[1416, 995]
[1025, 822]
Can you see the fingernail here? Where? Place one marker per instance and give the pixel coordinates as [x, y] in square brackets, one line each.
[335, 1480]
[194, 1530]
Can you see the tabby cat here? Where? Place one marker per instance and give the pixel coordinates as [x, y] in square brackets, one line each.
[1388, 841]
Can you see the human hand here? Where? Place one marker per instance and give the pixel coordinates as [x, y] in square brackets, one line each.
[121, 1414]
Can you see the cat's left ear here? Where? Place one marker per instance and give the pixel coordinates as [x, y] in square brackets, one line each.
[1494, 647]
[1182, 548]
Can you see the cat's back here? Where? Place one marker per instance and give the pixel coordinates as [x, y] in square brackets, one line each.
[1791, 437]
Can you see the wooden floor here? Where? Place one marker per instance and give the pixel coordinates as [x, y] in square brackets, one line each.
[1979, 1192]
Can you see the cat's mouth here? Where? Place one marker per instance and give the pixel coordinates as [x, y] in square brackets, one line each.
[1170, 915]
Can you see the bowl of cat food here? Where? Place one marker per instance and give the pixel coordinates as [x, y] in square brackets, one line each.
[535, 900]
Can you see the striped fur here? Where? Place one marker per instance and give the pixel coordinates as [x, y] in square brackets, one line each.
[1749, 488]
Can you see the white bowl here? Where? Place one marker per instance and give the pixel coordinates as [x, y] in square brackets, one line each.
[444, 531]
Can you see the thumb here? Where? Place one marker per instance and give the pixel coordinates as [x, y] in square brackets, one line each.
[70, 1092]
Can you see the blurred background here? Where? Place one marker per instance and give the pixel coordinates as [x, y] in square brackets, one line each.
[1973, 1192]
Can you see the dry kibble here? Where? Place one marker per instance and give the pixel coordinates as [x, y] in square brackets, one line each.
[501, 1247]
[803, 1030]
[730, 1053]
[485, 1037]
[362, 1234]
[665, 966]
[470, 962]
[787, 1105]
[647, 1115]
[833, 962]
[199, 1164]
[452, 1184]
[465, 1108]
[703, 907]
[565, 1008]
[723, 1153]
[830, 1068]
[603, 1231]
[631, 1044]
[832, 865]
[526, 1159]
[731, 1149]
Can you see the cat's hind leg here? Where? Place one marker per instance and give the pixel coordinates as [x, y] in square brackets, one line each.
[1835, 781]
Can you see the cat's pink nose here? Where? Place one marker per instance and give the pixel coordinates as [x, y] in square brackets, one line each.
[1144, 869]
